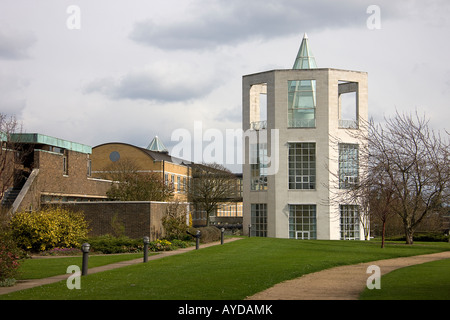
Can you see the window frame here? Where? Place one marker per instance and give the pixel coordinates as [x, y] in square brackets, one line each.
[302, 165]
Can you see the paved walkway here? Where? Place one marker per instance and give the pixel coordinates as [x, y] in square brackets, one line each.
[26, 284]
[339, 283]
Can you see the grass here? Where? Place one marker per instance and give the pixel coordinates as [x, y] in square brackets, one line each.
[428, 281]
[48, 267]
[229, 272]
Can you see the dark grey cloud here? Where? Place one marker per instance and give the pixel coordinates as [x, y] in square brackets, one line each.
[14, 45]
[163, 82]
[217, 23]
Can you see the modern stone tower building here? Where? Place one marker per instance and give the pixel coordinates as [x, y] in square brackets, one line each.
[299, 153]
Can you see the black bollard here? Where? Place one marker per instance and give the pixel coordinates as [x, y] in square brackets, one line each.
[221, 235]
[85, 248]
[249, 230]
[146, 242]
[197, 239]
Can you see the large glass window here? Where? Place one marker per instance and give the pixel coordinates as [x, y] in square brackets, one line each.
[349, 222]
[348, 165]
[302, 165]
[258, 220]
[258, 166]
[302, 221]
[302, 103]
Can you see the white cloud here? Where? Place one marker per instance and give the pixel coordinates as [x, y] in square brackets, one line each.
[12, 94]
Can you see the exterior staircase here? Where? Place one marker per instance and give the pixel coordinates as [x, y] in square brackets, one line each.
[10, 196]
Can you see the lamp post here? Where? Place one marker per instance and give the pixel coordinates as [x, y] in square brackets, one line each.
[146, 242]
[249, 230]
[86, 247]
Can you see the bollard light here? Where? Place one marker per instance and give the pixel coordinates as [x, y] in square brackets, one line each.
[146, 242]
[221, 235]
[86, 247]
[249, 230]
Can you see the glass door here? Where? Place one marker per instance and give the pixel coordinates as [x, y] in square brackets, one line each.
[302, 235]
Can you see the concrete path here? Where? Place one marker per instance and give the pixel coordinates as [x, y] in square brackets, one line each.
[339, 283]
[26, 284]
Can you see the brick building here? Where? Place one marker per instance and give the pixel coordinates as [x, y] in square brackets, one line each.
[50, 170]
[154, 159]
[176, 172]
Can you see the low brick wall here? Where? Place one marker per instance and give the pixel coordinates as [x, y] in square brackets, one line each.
[137, 218]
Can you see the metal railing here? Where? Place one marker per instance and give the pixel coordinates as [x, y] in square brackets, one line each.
[258, 125]
[348, 124]
[302, 123]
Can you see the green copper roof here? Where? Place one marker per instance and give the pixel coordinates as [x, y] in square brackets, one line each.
[305, 58]
[37, 138]
[157, 145]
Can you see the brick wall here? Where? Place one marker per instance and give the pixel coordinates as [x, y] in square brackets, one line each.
[138, 218]
[53, 181]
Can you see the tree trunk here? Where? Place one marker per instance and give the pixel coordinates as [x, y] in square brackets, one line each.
[383, 235]
[409, 233]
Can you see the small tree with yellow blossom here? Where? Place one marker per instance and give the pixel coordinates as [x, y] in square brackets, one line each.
[49, 228]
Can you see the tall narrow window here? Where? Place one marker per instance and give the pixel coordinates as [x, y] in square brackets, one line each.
[89, 167]
[349, 222]
[348, 165]
[65, 162]
[258, 166]
[166, 179]
[258, 220]
[302, 165]
[302, 104]
[302, 221]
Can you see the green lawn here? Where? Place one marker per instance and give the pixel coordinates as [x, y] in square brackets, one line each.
[47, 267]
[428, 281]
[232, 271]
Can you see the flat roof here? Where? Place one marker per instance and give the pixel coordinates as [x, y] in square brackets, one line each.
[37, 138]
[302, 70]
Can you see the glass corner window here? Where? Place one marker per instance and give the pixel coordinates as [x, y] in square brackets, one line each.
[301, 103]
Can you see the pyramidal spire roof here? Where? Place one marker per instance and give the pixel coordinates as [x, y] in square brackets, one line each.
[157, 145]
[305, 58]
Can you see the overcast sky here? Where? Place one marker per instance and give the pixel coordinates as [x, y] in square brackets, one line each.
[139, 68]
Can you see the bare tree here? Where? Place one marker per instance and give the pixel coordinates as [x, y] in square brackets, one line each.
[8, 126]
[174, 221]
[13, 153]
[134, 185]
[408, 167]
[211, 184]
[380, 198]
[403, 170]
[351, 183]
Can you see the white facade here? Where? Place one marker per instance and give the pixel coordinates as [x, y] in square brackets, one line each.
[306, 110]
